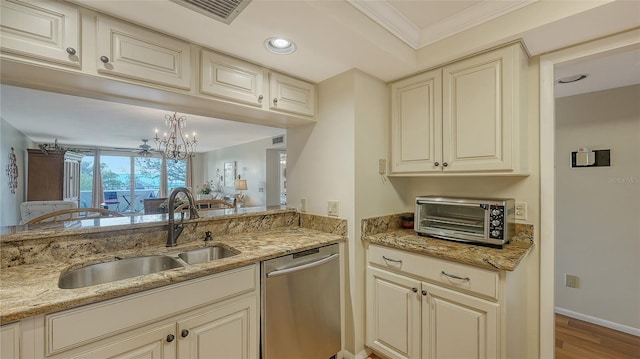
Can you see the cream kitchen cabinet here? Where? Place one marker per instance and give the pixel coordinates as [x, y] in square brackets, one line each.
[216, 316]
[423, 307]
[47, 31]
[10, 341]
[130, 51]
[248, 84]
[232, 79]
[468, 117]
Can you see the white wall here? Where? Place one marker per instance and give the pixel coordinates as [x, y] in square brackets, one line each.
[10, 202]
[598, 208]
[251, 165]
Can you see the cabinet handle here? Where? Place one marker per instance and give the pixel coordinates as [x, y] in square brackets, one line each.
[436, 164]
[392, 260]
[275, 101]
[71, 51]
[444, 164]
[104, 59]
[184, 333]
[466, 279]
[170, 338]
[424, 292]
[414, 289]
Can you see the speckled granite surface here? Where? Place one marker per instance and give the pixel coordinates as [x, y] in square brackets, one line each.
[28, 286]
[386, 231]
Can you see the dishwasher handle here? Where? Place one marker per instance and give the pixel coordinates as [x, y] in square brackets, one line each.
[322, 261]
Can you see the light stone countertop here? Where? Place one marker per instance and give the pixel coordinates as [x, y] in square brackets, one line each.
[32, 289]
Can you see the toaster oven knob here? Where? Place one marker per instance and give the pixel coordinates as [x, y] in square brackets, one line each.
[495, 212]
[495, 233]
[495, 222]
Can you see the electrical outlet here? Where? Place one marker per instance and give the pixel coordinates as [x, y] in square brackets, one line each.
[571, 281]
[303, 205]
[333, 208]
[382, 166]
[521, 210]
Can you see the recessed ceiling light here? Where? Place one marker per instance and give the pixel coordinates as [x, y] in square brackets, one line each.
[279, 45]
[573, 78]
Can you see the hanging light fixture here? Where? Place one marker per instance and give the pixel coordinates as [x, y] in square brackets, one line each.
[175, 144]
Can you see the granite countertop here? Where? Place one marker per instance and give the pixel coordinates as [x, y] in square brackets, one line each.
[506, 258]
[32, 289]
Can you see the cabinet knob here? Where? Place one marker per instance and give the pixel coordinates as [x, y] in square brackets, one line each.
[170, 338]
[415, 290]
[104, 59]
[275, 101]
[444, 164]
[260, 98]
[436, 164]
[424, 292]
[71, 51]
[184, 333]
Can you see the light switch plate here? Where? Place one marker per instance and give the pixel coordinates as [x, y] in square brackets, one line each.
[571, 281]
[382, 166]
[521, 211]
[333, 208]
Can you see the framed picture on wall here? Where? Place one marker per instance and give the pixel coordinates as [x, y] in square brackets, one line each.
[229, 173]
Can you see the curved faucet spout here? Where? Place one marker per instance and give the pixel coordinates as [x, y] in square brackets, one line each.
[176, 229]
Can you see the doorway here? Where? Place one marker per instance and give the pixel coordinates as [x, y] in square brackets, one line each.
[276, 182]
[615, 44]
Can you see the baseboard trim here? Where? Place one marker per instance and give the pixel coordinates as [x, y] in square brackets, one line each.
[601, 322]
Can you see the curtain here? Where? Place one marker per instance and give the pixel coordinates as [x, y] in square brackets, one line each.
[188, 181]
[164, 182]
[98, 193]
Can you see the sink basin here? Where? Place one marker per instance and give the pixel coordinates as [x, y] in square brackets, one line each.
[207, 254]
[116, 270]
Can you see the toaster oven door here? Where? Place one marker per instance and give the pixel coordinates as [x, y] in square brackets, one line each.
[454, 220]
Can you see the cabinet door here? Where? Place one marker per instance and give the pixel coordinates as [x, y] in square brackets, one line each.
[45, 176]
[230, 330]
[416, 123]
[10, 341]
[156, 343]
[232, 79]
[477, 121]
[43, 30]
[456, 325]
[291, 95]
[393, 314]
[130, 51]
[71, 190]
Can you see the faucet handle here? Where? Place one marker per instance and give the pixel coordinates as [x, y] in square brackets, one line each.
[207, 236]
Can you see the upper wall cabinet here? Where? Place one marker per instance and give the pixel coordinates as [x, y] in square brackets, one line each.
[291, 95]
[44, 30]
[472, 122]
[232, 79]
[130, 51]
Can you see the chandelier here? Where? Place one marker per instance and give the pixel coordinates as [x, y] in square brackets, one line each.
[175, 144]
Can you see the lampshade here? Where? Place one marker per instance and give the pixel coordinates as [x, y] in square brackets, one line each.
[241, 185]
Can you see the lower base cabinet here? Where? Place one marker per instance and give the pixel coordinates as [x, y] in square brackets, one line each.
[216, 316]
[422, 307]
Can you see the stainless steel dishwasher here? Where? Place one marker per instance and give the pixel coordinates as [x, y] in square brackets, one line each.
[301, 305]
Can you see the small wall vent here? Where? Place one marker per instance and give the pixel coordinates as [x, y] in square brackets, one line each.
[222, 10]
[277, 140]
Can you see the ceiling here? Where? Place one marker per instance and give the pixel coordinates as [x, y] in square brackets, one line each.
[388, 39]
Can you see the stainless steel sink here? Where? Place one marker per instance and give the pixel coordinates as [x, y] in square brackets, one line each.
[116, 270]
[207, 254]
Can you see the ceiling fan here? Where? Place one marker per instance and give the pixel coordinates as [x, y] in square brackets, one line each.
[144, 149]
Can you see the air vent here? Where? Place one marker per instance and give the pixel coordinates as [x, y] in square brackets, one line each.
[222, 10]
[277, 140]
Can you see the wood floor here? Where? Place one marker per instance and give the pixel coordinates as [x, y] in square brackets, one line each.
[576, 339]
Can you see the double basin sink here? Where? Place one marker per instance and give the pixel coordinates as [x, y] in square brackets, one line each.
[118, 269]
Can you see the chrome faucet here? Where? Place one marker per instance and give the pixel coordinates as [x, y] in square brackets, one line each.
[176, 229]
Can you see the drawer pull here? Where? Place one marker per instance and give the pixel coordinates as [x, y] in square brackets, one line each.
[466, 279]
[414, 289]
[392, 260]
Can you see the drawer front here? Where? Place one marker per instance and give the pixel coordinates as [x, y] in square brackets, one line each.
[450, 274]
[75, 327]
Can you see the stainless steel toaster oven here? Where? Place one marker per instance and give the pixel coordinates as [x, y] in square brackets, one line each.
[476, 220]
